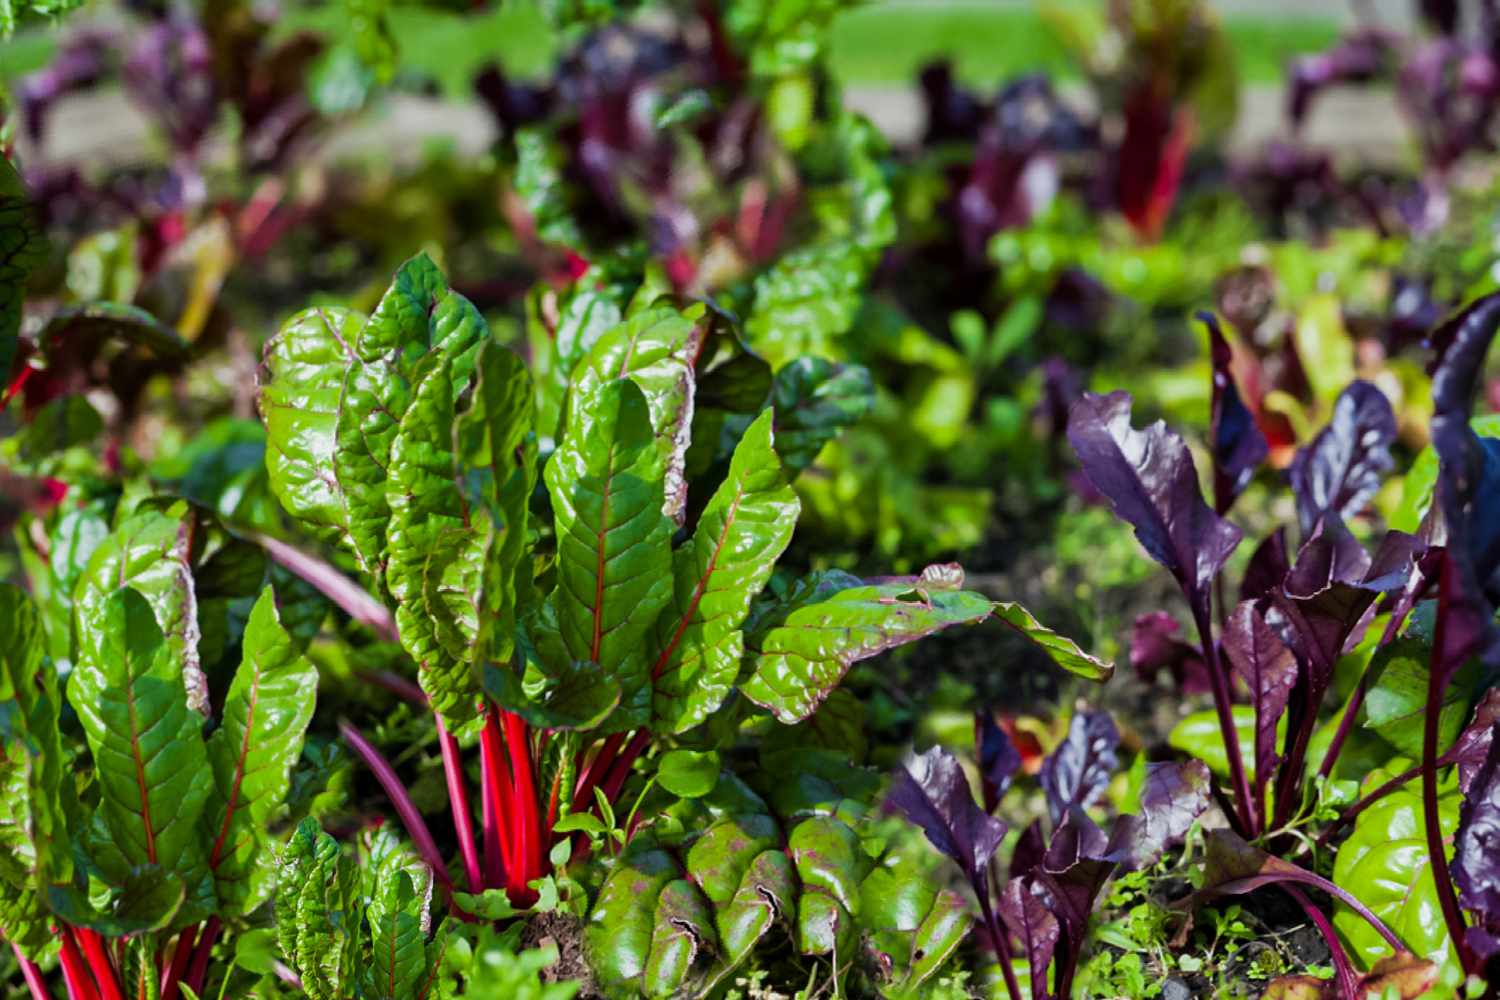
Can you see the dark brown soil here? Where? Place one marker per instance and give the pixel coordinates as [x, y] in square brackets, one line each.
[566, 932]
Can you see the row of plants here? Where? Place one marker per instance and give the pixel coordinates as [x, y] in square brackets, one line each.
[455, 635]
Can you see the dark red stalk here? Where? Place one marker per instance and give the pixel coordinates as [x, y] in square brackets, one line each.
[1348, 981]
[489, 829]
[75, 973]
[458, 799]
[172, 974]
[1243, 800]
[1349, 815]
[101, 963]
[504, 864]
[32, 974]
[198, 971]
[416, 827]
[621, 769]
[527, 806]
[552, 800]
[1437, 676]
[604, 759]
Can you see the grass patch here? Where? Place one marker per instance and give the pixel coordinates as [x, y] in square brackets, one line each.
[887, 43]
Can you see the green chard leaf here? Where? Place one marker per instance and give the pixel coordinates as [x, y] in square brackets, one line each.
[327, 916]
[656, 349]
[149, 552]
[815, 400]
[398, 918]
[418, 317]
[614, 570]
[744, 529]
[801, 647]
[33, 840]
[300, 399]
[1064, 651]
[264, 718]
[147, 744]
[433, 553]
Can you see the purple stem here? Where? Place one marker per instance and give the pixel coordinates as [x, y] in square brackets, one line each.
[1348, 982]
[198, 971]
[1243, 800]
[416, 827]
[332, 584]
[396, 685]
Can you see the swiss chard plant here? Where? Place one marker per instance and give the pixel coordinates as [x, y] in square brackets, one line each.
[144, 791]
[567, 614]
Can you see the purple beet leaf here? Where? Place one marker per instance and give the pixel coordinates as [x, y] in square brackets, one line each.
[932, 793]
[1239, 447]
[1075, 775]
[1476, 854]
[1149, 478]
[1155, 646]
[1269, 671]
[1340, 470]
[1174, 795]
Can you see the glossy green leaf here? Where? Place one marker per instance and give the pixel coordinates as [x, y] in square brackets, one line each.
[801, 649]
[815, 400]
[398, 937]
[417, 317]
[614, 557]
[683, 930]
[1063, 651]
[1198, 735]
[27, 923]
[572, 695]
[292, 871]
[688, 774]
[262, 724]
[806, 302]
[617, 938]
[719, 859]
[740, 535]
[147, 744]
[33, 838]
[656, 349]
[499, 451]
[149, 552]
[1385, 864]
[1396, 701]
[329, 929]
[300, 396]
[829, 859]
[432, 551]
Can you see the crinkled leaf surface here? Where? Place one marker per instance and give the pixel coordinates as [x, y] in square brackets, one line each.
[815, 400]
[146, 742]
[1476, 855]
[801, 648]
[614, 561]
[1269, 671]
[1076, 774]
[697, 644]
[259, 738]
[300, 398]
[22, 245]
